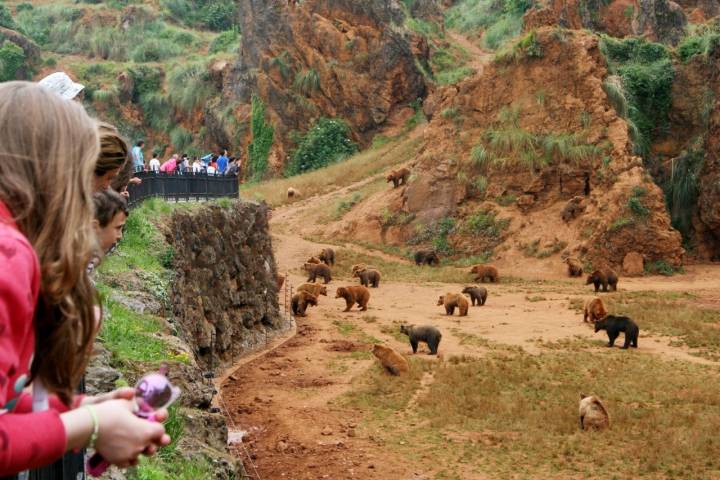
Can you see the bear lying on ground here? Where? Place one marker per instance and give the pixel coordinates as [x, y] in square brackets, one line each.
[368, 277]
[426, 257]
[452, 300]
[392, 361]
[574, 267]
[327, 256]
[352, 295]
[593, 415]
[398, 177]
[572, 209]
[314, 260]
[318, 270]
[603, 277]
[424, 333]
[485, 271]
[280, 279]
[300, 302]
[314, 288]
[477, 294]
[616, 324]
[594, 310]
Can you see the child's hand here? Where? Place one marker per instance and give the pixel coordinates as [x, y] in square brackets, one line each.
[124, 393]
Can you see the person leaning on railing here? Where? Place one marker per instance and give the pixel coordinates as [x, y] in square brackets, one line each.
[47, 173]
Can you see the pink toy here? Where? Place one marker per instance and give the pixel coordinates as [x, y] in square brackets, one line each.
[152, 393]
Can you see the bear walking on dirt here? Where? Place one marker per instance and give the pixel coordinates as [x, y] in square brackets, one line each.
[593, 414]
[424, 333]
[594, 310]
[603, 278]
[300, 302]
[613, 325]
[314, 288]
[327, 256]
[352, 295]
[318, 270]
[476, 294]
[485, 271]
[398, 177]
[452, 300]
[368, 278]
[426, 257]
[391, 361]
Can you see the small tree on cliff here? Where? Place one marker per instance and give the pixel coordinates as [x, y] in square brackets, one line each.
[262, 139]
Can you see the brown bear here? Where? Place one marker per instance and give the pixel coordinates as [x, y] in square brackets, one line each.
[291, 192]
[327, 256]
[398, 177]
[572, 209]
[318, 270]
[314, 288]
[452, 300]
[423, 333]
[603, 277]
[368, 278]
[314, 260]
[476, 294]
[485, 271]
[280, 279]
[300, 302]
[575, 268]
[360, 267]
[352, 295]
[593, 414]
[594, 310]
[426, 257]
[391, 361]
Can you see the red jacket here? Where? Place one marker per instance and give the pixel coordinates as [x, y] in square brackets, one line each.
[27, 439]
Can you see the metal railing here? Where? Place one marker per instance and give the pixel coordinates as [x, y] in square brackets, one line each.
[182, 186]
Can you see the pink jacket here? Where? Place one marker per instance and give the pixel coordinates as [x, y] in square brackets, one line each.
[169, 166]
[27, 439]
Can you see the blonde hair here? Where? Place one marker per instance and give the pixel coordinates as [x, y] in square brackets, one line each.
[48, 153]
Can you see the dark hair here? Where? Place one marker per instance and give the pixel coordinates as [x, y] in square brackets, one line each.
[113, 150]
[108, 203]
[140, 143]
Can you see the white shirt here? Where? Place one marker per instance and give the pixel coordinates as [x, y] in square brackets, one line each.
[211, 170]
[154, 165]
[197, 167]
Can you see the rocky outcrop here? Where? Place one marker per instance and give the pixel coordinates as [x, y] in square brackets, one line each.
[225, 294]
[339, 58]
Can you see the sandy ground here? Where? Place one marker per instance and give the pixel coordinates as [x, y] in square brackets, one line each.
[285, 401]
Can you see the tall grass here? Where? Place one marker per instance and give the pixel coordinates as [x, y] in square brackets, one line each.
[681, 189]
[307, 81]
[190, 86]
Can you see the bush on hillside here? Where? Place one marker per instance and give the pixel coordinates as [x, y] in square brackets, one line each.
[681, 189]
[12, 58]
[190, 86]
[325, 143]
[227, 41]
[262, 140]
[6, 19]
[218, 15]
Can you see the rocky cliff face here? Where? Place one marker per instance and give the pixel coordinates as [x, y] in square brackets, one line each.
[339, 58]
[493, 151]
[225, 293]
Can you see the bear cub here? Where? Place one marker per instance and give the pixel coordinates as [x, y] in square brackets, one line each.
[616, 324]
[424, 333]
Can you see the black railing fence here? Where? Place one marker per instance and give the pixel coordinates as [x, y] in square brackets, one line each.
[182, 186]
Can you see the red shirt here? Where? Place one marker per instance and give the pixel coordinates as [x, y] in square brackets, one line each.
[27, 439]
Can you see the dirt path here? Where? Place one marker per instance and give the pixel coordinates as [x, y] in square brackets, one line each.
[478, 57]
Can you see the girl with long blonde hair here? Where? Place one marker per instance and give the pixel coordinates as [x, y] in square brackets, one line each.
[48, 153]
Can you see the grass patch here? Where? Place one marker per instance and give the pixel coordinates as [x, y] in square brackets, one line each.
[358, 167]
[344, 206]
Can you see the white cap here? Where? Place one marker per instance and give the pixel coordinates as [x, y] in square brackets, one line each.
[61, 84]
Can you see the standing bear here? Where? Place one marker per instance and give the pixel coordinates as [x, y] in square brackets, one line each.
[352, 295]
[613, 325]
[424, 333]
[426, 257]
[300, 302]
[452, 300]
[318, 270]
[476, 294]
[485, 271]
[368, 277]
[603, 277]
[398, 177]
[594, 310]
[327, 256]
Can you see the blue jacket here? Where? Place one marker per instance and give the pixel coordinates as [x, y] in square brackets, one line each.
[222, 164]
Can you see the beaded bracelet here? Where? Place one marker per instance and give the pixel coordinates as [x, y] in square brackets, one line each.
[96, 426]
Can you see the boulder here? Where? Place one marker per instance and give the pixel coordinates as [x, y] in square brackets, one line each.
[633, 264]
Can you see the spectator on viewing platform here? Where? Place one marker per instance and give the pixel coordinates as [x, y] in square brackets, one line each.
[206, 159]
[184, 165]
[170, 165]
[137, 156]
[222, 163]
[211, 170]
[197, 166]
[48, 160]
[154, 164]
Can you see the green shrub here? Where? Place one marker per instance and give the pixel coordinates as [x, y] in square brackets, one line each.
[228, 41]
[12, 58]
[219, 14]
[485, 223]
[155, 50]
[6, 19]
[146, 79]
[620, 222]
[506, 27]
[325, 143]
[105, 95]
[22, 7]
[307, 81]
[681, 189]
[703, 42]
[440, 243]
[262, 140]
[156, 110]
[180, 138]
[190, 86]
[635, 203]
[479, 156]
[660, 267]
